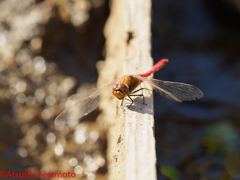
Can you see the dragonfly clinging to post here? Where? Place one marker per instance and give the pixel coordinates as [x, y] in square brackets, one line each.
[126, 87]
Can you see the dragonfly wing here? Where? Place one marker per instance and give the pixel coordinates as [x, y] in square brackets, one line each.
[174, 90]
[80, 107]
[76, 98]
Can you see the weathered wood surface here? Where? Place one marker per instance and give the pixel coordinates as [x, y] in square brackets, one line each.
[131, 143]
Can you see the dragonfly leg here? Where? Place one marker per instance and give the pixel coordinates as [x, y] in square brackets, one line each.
[128, 99]
[131, 102]
[140, 90]
[122, 106]
[140, 95]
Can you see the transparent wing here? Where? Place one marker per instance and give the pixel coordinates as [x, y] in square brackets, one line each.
[80, 105]
[173, 90]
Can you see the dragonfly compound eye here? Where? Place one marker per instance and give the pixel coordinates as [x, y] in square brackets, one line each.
[123, 88]
[115, 87]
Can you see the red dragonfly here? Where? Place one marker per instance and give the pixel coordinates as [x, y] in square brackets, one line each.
[126, 87]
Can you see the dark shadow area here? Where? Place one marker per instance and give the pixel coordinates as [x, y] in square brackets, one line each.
[201, 39]
[76, 49]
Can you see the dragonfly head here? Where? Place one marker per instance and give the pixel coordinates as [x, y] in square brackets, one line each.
[120, 91]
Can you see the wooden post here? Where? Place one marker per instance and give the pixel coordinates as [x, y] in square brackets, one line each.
[131, 143]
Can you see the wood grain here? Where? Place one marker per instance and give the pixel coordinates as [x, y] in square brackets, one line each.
[131, 143]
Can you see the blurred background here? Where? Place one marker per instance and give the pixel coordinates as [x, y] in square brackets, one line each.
[49, 50]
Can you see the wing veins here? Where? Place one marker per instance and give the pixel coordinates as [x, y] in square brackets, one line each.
[173, 91]
[84, 105]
